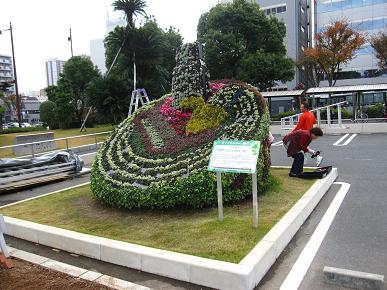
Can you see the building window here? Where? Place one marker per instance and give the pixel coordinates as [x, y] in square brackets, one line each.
[274, 10]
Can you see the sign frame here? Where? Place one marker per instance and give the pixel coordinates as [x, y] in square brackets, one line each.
[250, 169]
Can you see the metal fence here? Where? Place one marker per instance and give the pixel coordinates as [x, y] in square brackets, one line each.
[291, 121]
[76, 143]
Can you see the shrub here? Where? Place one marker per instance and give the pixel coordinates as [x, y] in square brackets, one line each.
[192, 103]
[279, 116]
[22, 130]
[376, 111]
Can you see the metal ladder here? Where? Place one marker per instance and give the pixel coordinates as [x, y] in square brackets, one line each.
[138, 95]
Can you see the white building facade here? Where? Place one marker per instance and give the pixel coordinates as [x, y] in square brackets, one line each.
[54, 67]
[97, 47]
[6, 70]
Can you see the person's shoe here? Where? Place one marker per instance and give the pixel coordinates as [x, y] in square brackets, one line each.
[291, 174]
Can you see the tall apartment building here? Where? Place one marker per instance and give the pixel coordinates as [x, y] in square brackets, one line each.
[368, 16]
[6, 70]
[54, 67]
[298, 16]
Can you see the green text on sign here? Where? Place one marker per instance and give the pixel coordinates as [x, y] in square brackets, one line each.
[234, 156]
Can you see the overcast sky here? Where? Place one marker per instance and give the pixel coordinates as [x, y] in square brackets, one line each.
[41, 28]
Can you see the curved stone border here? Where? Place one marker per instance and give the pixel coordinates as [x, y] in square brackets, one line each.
[77, 272]
[211, 273]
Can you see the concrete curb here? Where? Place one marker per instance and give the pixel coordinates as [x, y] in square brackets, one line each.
[211, 273]
[75, 271]
[353, 279]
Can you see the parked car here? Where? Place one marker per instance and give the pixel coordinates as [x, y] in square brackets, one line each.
[5, 127]
[13, 125]
[25, 125]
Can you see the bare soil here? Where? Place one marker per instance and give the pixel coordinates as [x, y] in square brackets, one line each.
[25, 275]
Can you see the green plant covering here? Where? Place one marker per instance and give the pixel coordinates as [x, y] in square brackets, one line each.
[279, 116]
[190, 75]
[375, 111]
[205, 117]
[191, 103]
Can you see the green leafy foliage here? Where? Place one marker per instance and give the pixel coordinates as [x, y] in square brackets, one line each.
[204, 118]
[48, 114]
[154, 50]
[109, 98]
[376, 111]
[70, 95]
[191, 103]
[154, 135]
[279, 116]
[242, 43]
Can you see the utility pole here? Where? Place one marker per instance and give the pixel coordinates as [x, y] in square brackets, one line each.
[18, 105]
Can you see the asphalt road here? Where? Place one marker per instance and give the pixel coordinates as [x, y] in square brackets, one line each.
[355, 239]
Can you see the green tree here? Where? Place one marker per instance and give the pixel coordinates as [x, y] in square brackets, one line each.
[110, 99]
[379, 44]
[239, 37]
[48, 114]
[78, 73]
[130, 8]
[155, 51]
[264, 69]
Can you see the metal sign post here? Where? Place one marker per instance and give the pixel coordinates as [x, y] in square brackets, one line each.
[236, 157]
[220, 195]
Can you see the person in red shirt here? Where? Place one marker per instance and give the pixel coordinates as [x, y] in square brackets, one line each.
[307, 119]
[296, 144]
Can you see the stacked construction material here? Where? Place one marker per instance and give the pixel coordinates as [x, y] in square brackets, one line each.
[18, 173]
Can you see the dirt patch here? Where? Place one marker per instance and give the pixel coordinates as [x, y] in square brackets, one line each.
[25, 275]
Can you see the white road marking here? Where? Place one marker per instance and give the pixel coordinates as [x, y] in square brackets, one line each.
[92, 153]
[349, 139]
[343, 138]
[279, 143]
[301, 266]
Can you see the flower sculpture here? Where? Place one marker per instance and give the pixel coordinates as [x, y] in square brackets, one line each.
[152, 161]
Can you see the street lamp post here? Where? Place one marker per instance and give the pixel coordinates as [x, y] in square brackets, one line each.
[70, 38]
[19, 119]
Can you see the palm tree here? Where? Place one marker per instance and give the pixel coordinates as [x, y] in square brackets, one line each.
[131, 8]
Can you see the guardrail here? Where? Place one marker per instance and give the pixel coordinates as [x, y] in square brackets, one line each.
[291, 121]
[61, 144]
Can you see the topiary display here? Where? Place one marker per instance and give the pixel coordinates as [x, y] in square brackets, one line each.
[190, 76]
[148, 162]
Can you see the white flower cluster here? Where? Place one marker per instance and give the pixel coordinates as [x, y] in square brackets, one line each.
[190, 76]
[119, 165]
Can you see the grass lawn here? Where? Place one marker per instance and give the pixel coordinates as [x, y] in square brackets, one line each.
[9, 139]
[195, 232]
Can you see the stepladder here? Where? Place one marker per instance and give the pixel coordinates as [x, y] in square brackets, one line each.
[139, 97]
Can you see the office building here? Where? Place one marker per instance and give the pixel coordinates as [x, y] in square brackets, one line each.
[54, 67]
[368, 16]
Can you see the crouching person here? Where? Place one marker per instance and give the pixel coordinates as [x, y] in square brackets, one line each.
[296, 144]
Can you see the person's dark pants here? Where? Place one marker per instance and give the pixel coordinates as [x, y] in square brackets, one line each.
[298, 163]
